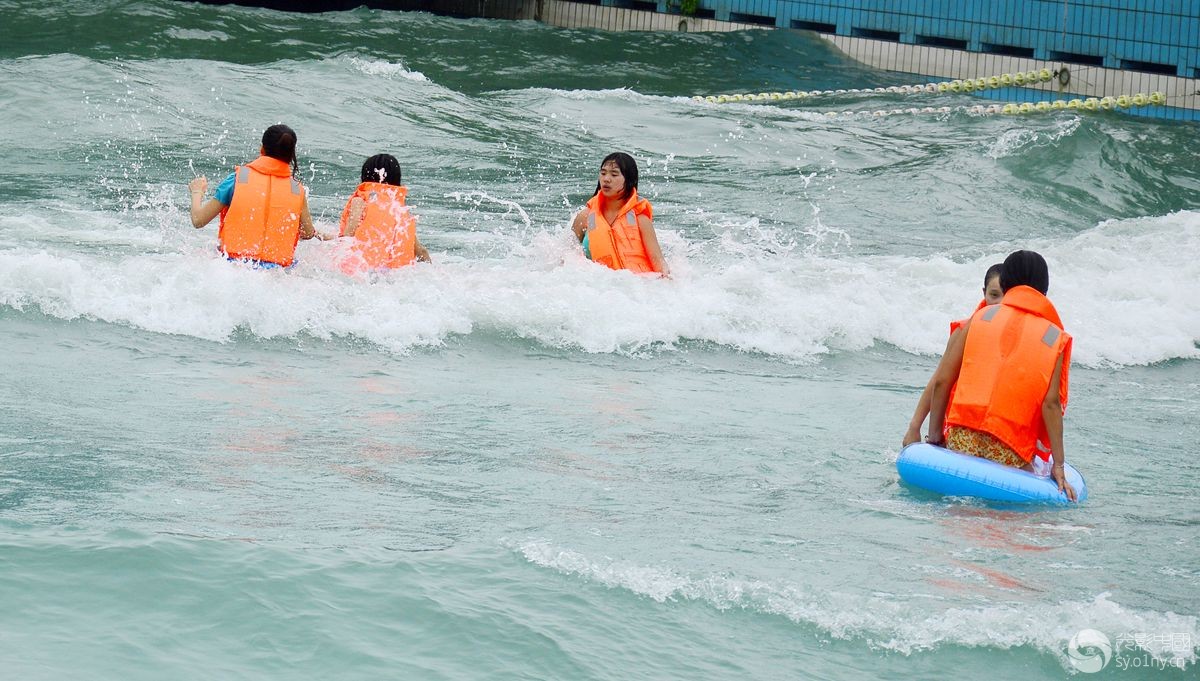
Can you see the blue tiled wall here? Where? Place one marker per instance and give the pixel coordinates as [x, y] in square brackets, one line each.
[1159, 36]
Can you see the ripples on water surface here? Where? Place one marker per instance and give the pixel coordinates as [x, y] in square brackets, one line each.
[512, 463]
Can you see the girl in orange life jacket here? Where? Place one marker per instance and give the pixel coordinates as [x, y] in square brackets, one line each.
[991, 296]
[1009, 369]
[383, 229]
[616, 228]
[263, 208]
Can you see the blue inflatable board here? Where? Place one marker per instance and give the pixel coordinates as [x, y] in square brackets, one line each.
[960, 475]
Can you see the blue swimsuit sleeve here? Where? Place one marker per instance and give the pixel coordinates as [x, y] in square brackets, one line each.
[586, 250]
[224, 191]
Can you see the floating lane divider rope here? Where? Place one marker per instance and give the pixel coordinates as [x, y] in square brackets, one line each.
[966, 85]
[1089, 104]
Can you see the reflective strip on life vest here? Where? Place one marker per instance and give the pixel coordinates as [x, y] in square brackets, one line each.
[1051, 335]
[992, 311]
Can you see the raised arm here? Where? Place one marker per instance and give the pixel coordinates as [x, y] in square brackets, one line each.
[202, 211]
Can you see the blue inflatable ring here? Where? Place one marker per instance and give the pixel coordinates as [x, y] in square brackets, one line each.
[940, 470]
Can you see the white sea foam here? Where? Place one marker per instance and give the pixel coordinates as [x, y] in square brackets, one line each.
[379, 67]
[589, 95]
[1124, 289]
[886, 621]
[196, 34]
[1017, 140]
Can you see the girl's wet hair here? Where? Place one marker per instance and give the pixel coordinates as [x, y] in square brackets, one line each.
[628, 168]
[993, 271]
[382, 168]
[1025, 268]
[279, 142]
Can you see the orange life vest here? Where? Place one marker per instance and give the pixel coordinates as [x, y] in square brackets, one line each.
[958, 323]
[262, 222]
[1008, 361]
[955, 326]
[387, 235]
[620, 244]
